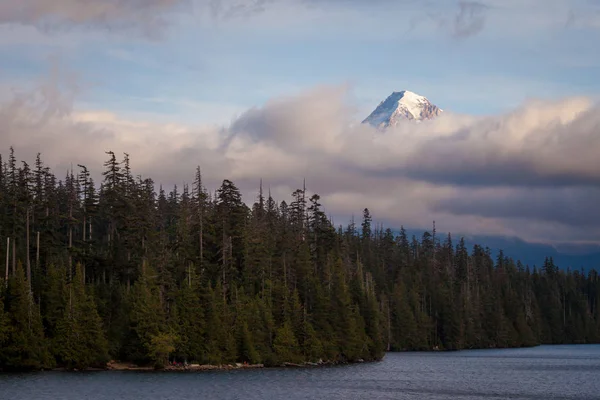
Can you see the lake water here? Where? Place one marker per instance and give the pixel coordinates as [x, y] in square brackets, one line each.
[545, 372]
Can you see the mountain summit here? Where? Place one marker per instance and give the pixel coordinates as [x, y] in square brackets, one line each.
[402, 105]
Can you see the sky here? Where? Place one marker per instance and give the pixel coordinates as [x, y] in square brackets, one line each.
[275, 90]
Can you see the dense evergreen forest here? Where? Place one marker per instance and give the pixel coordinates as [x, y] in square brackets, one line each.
[115, 270]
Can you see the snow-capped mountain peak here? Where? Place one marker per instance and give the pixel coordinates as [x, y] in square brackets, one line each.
[402, 105]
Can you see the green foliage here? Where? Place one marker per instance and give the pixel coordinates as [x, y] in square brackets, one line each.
[5, 325]
[79, 341]
[147, 316]
[25, 347]
[348, 323]
[285, 344]
[246, 350]
[312, 348]
[220, 340]
[374, 328]
[190, 325]
[127, 273]
[159, 348]
[55, 297]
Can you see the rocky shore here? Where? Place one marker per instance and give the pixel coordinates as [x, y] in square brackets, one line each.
[118, 366]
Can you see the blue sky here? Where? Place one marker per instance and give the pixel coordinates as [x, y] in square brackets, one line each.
[207, 68]
[269, 89]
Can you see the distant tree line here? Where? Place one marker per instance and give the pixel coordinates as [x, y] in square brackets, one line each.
[118, 271]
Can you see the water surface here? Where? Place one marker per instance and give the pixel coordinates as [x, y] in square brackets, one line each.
[545, 372]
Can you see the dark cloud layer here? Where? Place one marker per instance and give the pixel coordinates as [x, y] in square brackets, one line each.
[575, 207]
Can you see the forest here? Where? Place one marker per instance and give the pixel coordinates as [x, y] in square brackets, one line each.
[122, 270]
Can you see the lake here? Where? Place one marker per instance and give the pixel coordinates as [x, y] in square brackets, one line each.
[545, 372]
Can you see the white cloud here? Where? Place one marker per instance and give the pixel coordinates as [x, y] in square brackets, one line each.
[455, 170]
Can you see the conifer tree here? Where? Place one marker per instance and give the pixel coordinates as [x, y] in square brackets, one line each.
[191, 327]
[285, 344]
[80, 341]
[152, 276]
[246, 349]
[25, 347]
[312, 348]
[220, 340]
[147, 315]
[5, 325]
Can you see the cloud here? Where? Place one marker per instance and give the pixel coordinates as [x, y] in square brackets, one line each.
[457, 19]
[470, 19]
[533, 172]
[539, 144]
[147, 16]
[150, 17]
[584, 19]
[462, 20]
[228, 9]
[566, 206]
[322, 107]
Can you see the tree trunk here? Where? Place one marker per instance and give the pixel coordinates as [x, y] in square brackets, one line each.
[230, 253]
[14, 257]
[7, 258]
[389, 326]
[284, 272]
[27, 252]
[201, 242]
[37, 249]
[224, 254]
[270, 277]
[70, 246]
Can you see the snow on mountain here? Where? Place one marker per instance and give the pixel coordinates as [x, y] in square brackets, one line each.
[402, 105]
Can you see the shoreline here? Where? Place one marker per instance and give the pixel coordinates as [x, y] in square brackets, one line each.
[124, 366]
[116, 366]
[119, 366]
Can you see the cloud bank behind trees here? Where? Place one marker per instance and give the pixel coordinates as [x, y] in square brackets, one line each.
[532, 173]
